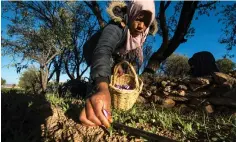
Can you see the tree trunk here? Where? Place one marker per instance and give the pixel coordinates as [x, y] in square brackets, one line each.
[168, 47]
[34, 88]
[44, 77]
[58, 73]
[58, 69]
[66, 62]
[97, 12]
[77, 59]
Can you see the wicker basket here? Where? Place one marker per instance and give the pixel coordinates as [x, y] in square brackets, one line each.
[121, 98]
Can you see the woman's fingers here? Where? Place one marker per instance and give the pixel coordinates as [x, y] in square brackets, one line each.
[84, 120]
[90, 113]
[107, 115]
[110, 116]
[93, 113]
[98, 109]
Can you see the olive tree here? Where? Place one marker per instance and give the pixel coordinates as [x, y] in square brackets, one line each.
[3, 81]
[48, 33]
[30, 80]
[175, 65]
[225, 65]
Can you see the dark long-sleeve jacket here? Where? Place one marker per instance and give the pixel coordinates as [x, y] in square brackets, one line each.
[100, 50]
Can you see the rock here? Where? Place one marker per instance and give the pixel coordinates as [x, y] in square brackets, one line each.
[154, 91]
[199, 94]
[201, 81]
[174, 92]
[223, 101]
[167, 89]
[227, 85]
[233, 74]
[180, 79]
[153, 88]
[148, 93]
[182, 87]
[177, 98]
[213, 85]
[156, 99]
[158, 93]
[219, 90]
[173, 84]
[195, 102]
[185, 109]
[220, 78]
[168, 103]
[181, 93]
[164, 83]
[186, 81]
[231, 94]
[175, 80]
[141, 100]
[209, 108]
[165, 93]
[195, 87]
[182, 106]
[144, 88]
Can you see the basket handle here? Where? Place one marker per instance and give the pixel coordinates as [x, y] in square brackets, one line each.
[132, 70]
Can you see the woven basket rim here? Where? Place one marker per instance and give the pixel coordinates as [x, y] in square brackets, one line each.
[136, 89]
[115, 76]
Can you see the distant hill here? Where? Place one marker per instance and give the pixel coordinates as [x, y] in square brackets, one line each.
[10, 86]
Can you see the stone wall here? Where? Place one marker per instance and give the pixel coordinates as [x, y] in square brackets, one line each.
[216, 90]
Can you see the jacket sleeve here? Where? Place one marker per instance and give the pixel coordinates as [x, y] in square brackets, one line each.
[102, 55]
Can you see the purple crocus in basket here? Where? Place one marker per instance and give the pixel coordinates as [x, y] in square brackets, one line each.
[125, 87]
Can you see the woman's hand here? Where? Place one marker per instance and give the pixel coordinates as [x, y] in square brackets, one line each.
[120, 71]
[92, 113]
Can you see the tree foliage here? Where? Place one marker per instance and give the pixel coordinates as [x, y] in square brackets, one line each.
[3, 81]
[225, 65]
[175, 65]
[49, 33]
[30, 80]
[228, 19]
[33, 37]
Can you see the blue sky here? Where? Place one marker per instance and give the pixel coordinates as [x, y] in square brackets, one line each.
[207, 33]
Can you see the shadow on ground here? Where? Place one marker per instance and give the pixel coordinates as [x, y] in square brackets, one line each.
[22, 116]
[74, 110]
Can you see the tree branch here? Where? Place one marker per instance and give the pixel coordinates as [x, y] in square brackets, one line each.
[97, 12]
[55, 54]
[39, 11]
[167, 5]
[67, 69]
[206, 5]
[84, 71]
[184, 23]
[163, 24]
[51, 75]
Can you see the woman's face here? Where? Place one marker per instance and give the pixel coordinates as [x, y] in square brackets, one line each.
[141, 23]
